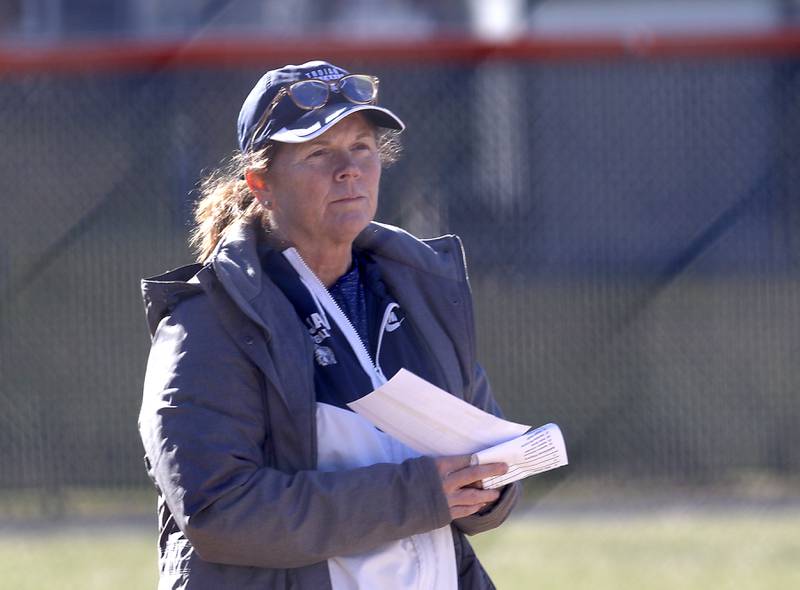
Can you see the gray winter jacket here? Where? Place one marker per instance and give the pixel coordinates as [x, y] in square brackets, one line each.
[228, 422]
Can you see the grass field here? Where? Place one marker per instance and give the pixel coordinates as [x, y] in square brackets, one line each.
[657, 551]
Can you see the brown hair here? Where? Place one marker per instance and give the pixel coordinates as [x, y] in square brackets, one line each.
[225, 197]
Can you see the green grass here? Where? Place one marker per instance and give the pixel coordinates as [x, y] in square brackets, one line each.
[78, 560]
[734, 550]
[656, 552]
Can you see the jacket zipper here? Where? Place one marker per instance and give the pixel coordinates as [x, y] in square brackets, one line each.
[326, 302]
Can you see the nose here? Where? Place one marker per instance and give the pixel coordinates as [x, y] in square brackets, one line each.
[347, 168]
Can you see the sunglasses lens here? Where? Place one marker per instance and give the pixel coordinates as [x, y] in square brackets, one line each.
[309, 94]
[358, 88]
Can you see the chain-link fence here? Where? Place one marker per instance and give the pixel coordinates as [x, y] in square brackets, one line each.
[631, 226]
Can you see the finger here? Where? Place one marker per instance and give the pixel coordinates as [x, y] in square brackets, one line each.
[467, 475]
[462, 511]
[447, 465]
[470, 496]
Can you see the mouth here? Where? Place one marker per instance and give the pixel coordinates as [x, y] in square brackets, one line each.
[349, 199]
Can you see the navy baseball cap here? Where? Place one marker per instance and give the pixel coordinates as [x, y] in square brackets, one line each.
[288, 123]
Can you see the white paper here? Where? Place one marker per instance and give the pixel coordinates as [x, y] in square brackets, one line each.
[430, 420]
[433, 422]
[534, 452]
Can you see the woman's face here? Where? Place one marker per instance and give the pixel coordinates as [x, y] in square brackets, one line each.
[325, 191]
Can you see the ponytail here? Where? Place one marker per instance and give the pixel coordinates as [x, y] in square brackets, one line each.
[225, 199]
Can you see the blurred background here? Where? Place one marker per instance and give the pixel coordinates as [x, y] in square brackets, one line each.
[624, 174]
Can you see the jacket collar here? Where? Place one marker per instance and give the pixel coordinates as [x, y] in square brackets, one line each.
[235, 262]
[434, 256]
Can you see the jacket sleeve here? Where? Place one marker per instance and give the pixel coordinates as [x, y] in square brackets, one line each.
[203, 426]
[482, 397]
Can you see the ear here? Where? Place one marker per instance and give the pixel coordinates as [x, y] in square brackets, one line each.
[259, 186]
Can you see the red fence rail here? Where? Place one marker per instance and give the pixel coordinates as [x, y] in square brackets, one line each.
[121, 55]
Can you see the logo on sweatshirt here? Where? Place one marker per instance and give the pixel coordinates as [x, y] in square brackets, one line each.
[317, 328]
[324, 356]
[394, 322]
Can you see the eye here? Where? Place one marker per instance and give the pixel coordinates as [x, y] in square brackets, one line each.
[362, 146]
[317, 153]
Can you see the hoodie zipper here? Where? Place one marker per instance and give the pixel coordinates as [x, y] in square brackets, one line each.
[326, 303]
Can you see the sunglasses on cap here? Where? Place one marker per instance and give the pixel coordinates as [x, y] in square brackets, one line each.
[312, 94]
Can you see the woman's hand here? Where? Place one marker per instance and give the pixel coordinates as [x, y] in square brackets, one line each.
[461, 484]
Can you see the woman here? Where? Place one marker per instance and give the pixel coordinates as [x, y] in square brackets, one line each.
[302, 303]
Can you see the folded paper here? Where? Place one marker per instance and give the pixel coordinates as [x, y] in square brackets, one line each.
[433, 422]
